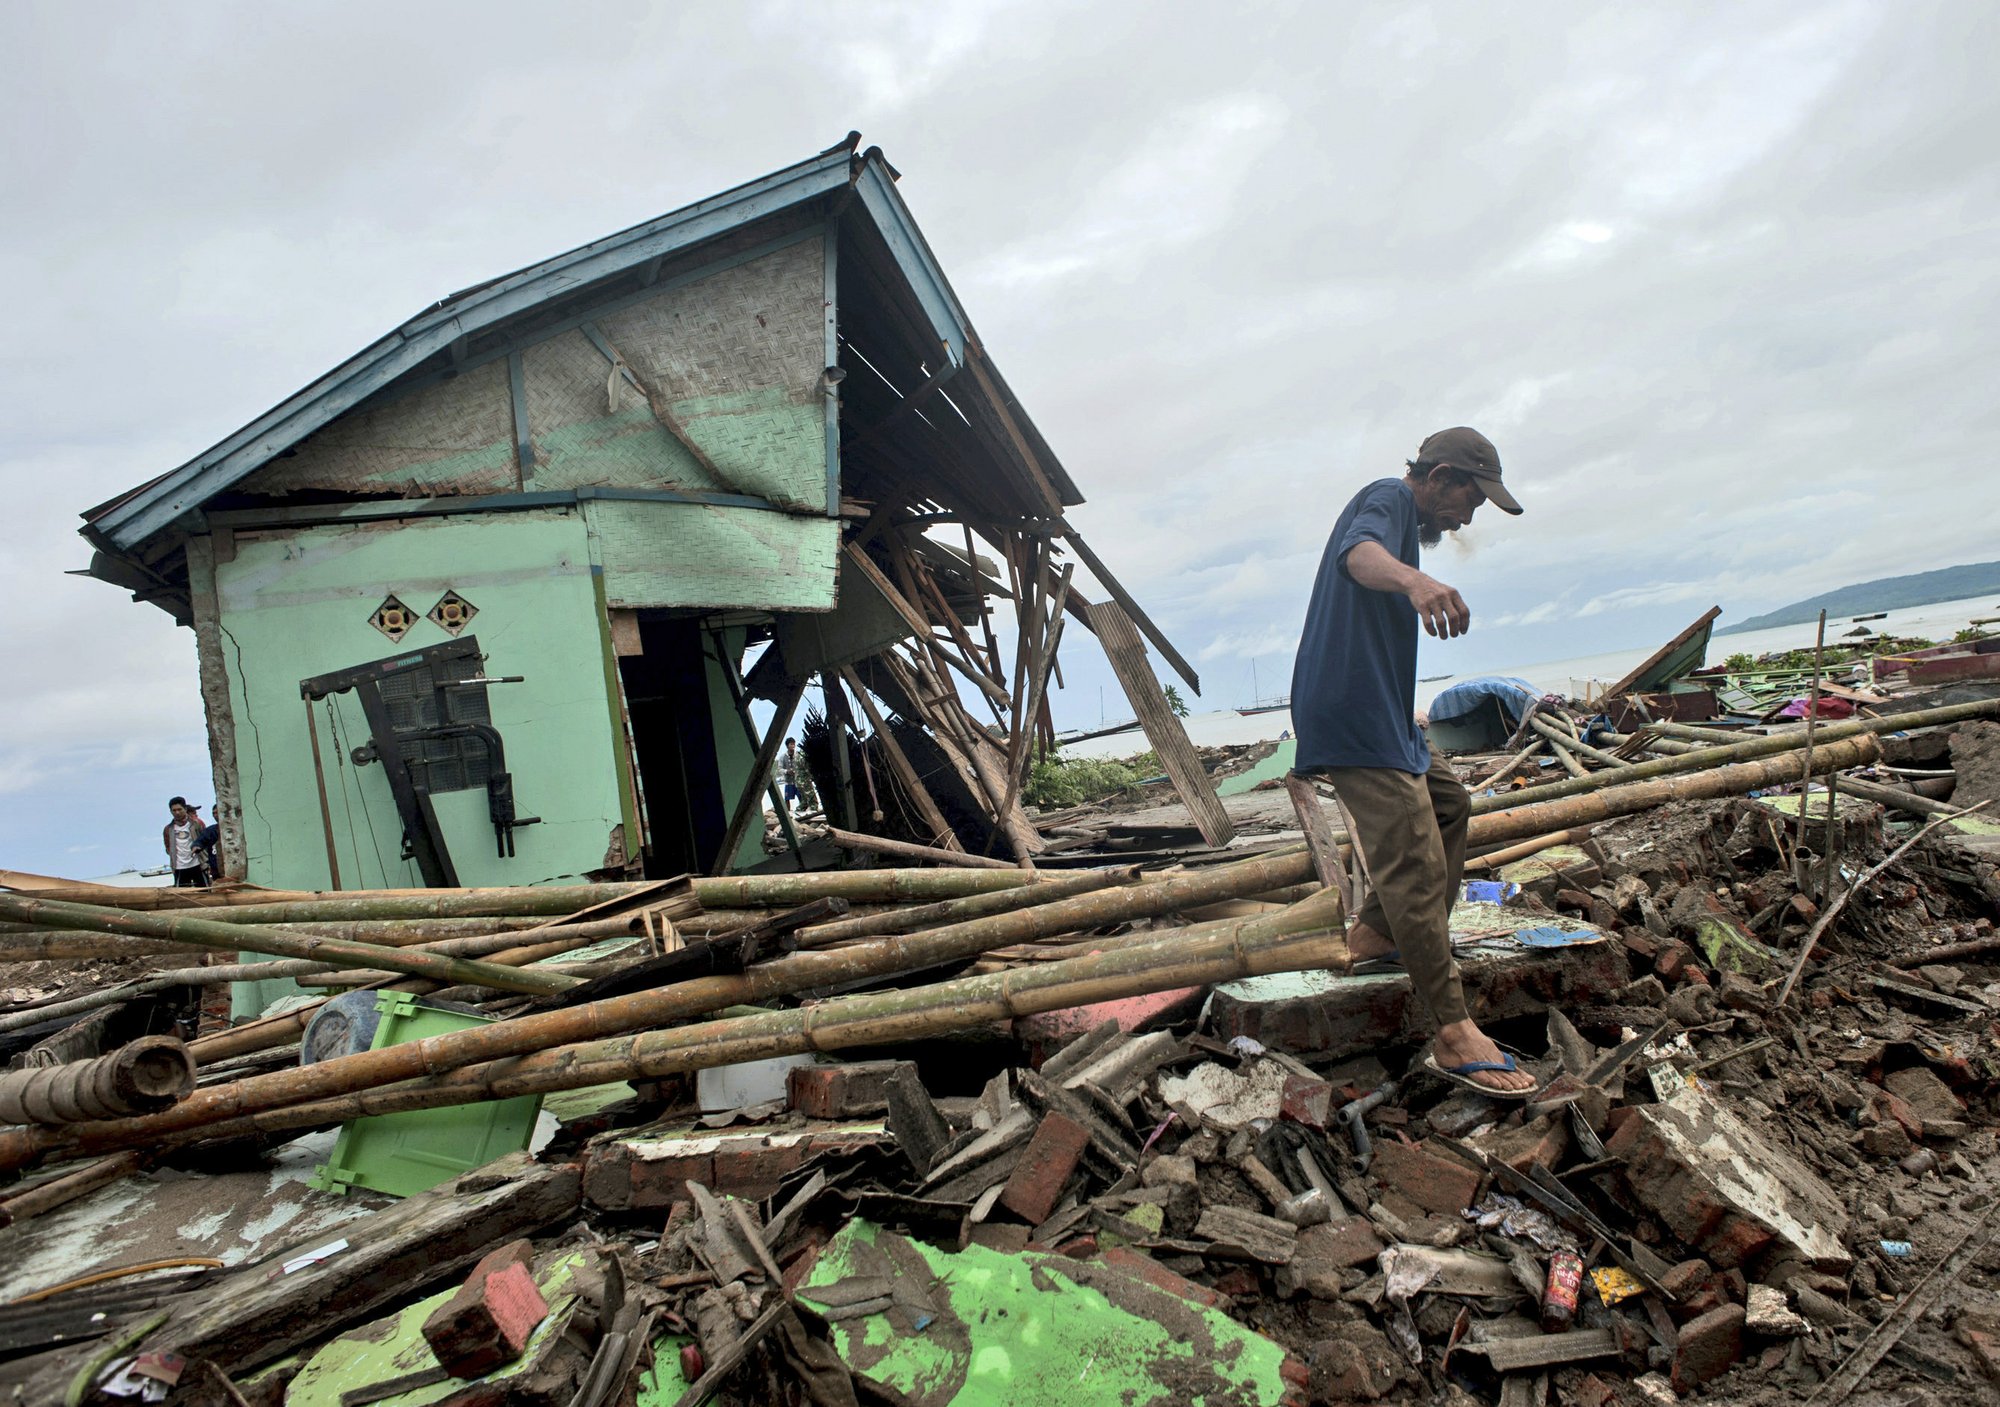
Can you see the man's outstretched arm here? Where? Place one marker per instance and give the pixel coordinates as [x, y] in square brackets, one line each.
[1440, 607]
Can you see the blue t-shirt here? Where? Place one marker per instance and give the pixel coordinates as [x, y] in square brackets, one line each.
[1354, 684]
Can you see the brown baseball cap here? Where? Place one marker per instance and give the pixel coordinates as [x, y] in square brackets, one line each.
[1463, 447]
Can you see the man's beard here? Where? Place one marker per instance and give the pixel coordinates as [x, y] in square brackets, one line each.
[1429, 535]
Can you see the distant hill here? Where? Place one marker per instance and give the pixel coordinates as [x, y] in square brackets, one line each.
[1889, 594]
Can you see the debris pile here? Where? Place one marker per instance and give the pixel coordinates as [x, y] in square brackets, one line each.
[1113, 1134]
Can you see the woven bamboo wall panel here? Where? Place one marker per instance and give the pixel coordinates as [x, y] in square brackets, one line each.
[692, 554]
[591, 428]
[454, 437]
[739, 357]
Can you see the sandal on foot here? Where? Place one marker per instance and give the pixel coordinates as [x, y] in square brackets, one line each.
[1462, 1075]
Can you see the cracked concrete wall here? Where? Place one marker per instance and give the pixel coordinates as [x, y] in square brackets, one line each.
[294, 603]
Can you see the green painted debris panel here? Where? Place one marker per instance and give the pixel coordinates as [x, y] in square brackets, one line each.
[981, 1328]
[404, 1154]
[394, 1347]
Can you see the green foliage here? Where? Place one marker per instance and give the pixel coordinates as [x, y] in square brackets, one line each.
[1176, 702]
[1969, 634]
[1833, 655]
[1054, 784]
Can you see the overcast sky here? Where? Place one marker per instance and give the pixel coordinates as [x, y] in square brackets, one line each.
[1718, 280]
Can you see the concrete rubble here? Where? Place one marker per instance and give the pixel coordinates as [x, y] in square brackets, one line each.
[1233, 1187]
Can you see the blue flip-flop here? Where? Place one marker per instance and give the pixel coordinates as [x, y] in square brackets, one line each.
[1462, 1075]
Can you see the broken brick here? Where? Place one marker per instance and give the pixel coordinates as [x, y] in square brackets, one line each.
[1724, 1187]
[844, 1091]
[1340, 1244]
[1435, 1182]
[1684, 1279]
[1928, 1098]
[490, 1319]
[1037, 1181]
[1538, 1143]
[1306, 1101]
[1708, 1346]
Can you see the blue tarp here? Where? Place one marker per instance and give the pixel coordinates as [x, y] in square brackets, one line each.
[1513, 695]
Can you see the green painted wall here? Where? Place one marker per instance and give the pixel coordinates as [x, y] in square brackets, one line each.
[734, 756]
[295, 603]
[698, 554]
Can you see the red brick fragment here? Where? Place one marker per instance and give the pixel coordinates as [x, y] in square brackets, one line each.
[843, 1091]
[1051, 1156]
[491, 1317]
[1685, 1279]
[1435, 1182]
[1306, 1101]
[1240, 1281]
[1708, 1347]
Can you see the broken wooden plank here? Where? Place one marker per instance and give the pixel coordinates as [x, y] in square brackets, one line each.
[1318, 828]
[899, 763]
[1544, 1350]
[1135, 674]
[261, 1312]
[1131, 607]
[751, 802]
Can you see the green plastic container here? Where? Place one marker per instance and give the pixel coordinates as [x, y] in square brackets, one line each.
[403, 1154]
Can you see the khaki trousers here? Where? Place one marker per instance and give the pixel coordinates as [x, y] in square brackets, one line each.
[1411, 834]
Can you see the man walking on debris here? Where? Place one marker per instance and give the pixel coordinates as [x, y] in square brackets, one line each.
[1354, 691]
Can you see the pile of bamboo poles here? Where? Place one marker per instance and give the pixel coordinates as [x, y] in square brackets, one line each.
[904, 922]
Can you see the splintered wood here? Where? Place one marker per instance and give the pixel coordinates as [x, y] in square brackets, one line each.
[1163, 730]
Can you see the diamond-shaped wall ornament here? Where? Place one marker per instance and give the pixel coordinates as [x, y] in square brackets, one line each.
[453, 612]
[393, 618]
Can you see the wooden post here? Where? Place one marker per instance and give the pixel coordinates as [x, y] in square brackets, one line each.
[906, 773]
[1128, 660]
[748, 804]
[325, 815]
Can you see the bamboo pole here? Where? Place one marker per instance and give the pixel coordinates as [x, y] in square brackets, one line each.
[1305, 935]
[307, 972]
[206, 933]
[1768, 745]
[60, 1191]
[910, 919]
[928, 854]
[786, 891]
[1506, 768]
[1907, 801]
[26, 943]
[1567, 742]
[1511, 853]
[556, 901]
[804, 971]
[329, 906]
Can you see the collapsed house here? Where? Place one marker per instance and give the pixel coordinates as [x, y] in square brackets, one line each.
[473, 608]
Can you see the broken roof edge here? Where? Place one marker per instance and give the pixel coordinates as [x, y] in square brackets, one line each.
[127, 520]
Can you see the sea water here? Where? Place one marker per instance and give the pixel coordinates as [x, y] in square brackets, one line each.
[1575, 678]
